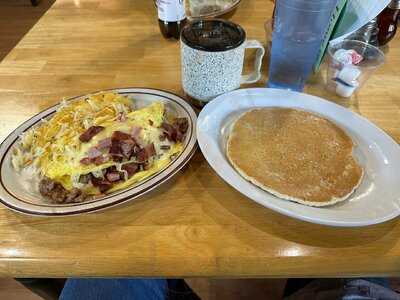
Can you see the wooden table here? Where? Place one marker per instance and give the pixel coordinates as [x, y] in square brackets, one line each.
[196, 225]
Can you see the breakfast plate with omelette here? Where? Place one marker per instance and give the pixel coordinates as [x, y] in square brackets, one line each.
[95, 151]
[302, 156]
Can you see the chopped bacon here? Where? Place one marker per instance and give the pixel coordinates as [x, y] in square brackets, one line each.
[101, 160]
[151, 122]
[120, 136]
[130, 168]
[93, 152]
[165, 147]
[89, 133]
[104, 144]
[135, 134]
[113, 176]
[150, 150]
[85, 161]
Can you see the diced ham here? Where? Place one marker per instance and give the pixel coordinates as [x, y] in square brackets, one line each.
[136, 149]
[117, 158]
[167, 127]
[127, 148]
[105, 186]
[101, 183]
[179, 136]
[130, 168]
[181, 124]
[142, 155]
[122, 145]
[98, 160]
[169, 131]
[89, 133]
[120, 136]
[101, 160]
[135, 132]
[115, 149]
[104, 144]
[113, 176]
[175, 132]
[93, 152]
[85, 161]
[150, 150]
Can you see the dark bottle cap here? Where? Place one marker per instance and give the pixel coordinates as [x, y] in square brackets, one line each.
[394, 4]
[213, 35]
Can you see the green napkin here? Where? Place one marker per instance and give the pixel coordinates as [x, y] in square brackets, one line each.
[335, 20]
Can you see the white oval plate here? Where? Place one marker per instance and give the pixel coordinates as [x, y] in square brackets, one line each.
[20, 196]
[375, 201]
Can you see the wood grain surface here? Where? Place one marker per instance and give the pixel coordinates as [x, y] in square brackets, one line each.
[195, 225]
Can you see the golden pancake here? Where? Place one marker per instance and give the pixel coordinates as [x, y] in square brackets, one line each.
[294, 155]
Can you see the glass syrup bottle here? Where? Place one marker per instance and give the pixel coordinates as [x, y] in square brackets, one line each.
[171, 17]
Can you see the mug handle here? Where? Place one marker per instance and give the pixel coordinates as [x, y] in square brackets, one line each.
[256, 75]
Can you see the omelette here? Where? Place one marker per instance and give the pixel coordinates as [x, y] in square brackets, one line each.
[295, 155]
[97, 145]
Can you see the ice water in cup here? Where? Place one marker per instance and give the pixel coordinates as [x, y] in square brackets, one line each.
[299, 28]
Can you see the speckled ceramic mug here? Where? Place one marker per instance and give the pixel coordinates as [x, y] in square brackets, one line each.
[212, 55]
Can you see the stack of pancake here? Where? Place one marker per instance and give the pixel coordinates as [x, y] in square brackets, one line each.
[295, 155]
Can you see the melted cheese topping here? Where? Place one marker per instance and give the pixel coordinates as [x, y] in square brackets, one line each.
[54, 150]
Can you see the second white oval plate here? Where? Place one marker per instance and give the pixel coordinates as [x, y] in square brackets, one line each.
[375, 201]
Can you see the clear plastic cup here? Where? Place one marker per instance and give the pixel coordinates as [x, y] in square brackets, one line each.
[299, 29]
[345, 79]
